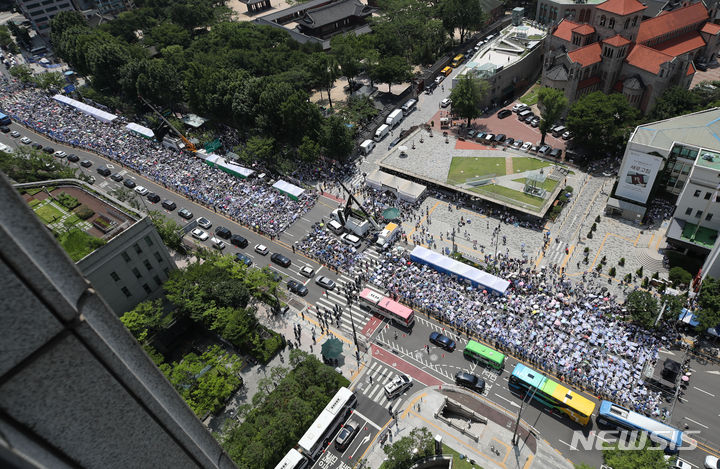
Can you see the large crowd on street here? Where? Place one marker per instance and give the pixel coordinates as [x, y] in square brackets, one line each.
[571, 330]
[328, 249]
[249, 201]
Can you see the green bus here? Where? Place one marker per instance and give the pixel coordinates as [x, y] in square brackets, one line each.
[485, 355]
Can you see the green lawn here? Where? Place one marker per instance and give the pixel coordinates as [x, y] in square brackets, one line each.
[549, 184]
[48, 213]
[511, 194]
[531, 97]
[457, 462]
[462, 169]
[79, 244]
[526, 163]
[34, 202]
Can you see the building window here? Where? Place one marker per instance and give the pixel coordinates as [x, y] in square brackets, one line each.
[125, 256]
[158, 257]
[697, 193]
[602, 20]
[137, 247]
[157, 280]
[708, 217]
[136, 272]
[634, 22]
[611, 23]
[114, 276]
[126, 291]
[148, 265]
[627, 23]
[707, 195]
[698, 214]
[688, 211]
[147, 288]
[148, 241]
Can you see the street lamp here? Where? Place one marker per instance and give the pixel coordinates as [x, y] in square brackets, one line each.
[352, 323]
[517, 421]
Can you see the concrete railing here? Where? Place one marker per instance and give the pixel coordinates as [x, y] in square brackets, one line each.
[462, 411]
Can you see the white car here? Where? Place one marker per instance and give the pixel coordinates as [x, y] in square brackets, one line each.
[517, 106]
[204, 223]
[307, 271]
[397, 386]
[197, 233]
[141, 190]
[217, 243]
[262, 249]
[5, 148]
[711, 462]
[60, 154]
[526, 146]
[439, 78]
[445, 102]
[25, 140]
[682, 464]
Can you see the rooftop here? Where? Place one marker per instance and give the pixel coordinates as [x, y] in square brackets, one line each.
[711, 28]
[672, 21]
[700, 128]
[688, 42]
[587, 55]
[564, 29]
[333, 12]
[647, 59]
[505, 50]
[584, 30]
[708, 159]
[616, 41]
[621, 7]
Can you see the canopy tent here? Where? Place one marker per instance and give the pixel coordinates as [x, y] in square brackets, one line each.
[403, 189]
[217, 161]
[332, 348]
[98, 114]
[139, 129]
[444, 264]
[391, 214]
[688, 317]
[291, 190]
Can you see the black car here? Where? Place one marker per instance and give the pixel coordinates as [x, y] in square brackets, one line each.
[168, 204]
[702, 66]
[86, 163]
[240, 257]
[49, 150]
[4, 129]
[509, 141]
[117, 177]
[555, 153]
[499, 137]
[222, 232]
[297, 287]
[185, 213]
[129, 183]
[103, 171]
[36, 146]
[239, 241]
[442, 341]
[470, 381]
[529, 118]
[72, 157]
[504, 113]
[153, 197]
[280, 260]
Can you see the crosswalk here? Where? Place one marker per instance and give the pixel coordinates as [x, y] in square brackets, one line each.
[555, 254]
[373, 382]
[330, 299]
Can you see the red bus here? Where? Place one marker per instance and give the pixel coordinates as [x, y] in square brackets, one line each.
[386, 307]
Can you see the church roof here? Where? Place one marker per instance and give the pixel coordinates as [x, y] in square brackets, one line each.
[587, 55]
[621, 7]
[647, 59]
[671, 21]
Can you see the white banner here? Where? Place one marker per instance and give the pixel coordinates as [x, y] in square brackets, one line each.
[637, 175]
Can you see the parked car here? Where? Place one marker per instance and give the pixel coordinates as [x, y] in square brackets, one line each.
[519, 107]
[185, 213]
[544, 149]
[346, 435]
[223, 232]
[72, 157]
[712, 462]
[702, 66]
[526, 146]
[25, 141]
[297, 287]
[4, 129]
[86, 163]
[307, 271]
[60, 154]
[445, 102]
[217, 243]
[397, 386]
[555, 153]
[49, 150]
[204, 223]
[117, 177]
[280, 260]
[504, 113]
[470, 381]
[239, 241]
[129, 183]
[325, 282]
[262, 249]
[197, 233]
[509, 141]
[103, 171]
[529, 118]
[439, 79]
[566, 135]
[168, 204]
[153, 197]
[141, 190]
[535, 121]
[517, 143]
[15, 134]
[480, 136]
[240, 257]
[499, 138]
[36, 146]
[471, 133]
[442, 341]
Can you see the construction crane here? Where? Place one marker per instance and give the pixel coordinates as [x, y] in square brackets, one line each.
[188, 144]
[347, 210]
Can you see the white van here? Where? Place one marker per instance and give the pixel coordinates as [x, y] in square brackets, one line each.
[335, 227]
[523, 114]
[381, 132]
[367, 146]
[557, 131]
[394, 118]
[351, 239]
[409, 106]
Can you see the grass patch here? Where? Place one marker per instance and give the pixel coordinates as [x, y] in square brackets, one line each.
[79, 244]
[34, 202]
[549, 184]
[457, 462]
[507, 193]
[462, 169]
[48, 213]
[526, 163]
[531, 97]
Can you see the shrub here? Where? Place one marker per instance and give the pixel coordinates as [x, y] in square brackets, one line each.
[598, 267]
[656, 275]
[569, 189]
[597, 219]
[84, 212]
[679, 276]
[628, 277]
[645, 283]
[594, 227]
[589, 235]
[603, 260]
[621, 262]
[611, 272]
[586, 250]
[67, 201]
[639, 272]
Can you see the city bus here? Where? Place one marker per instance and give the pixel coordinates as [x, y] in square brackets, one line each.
[319, 435]
[458, 60]
[551, 394]
[613, 415]
[386, 307]
[485, 355]
[293, 460]
[4, 120]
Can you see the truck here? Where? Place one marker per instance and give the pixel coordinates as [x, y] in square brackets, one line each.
[394, 118]
[381, 132]
[367, 146]
[351, 223]
[388, 236]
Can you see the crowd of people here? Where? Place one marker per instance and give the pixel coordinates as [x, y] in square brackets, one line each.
[571, 330]
[249, 201]
[328, 249]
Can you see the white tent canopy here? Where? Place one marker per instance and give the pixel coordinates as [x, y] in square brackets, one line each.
[144, 131]
[98, 114]
[403, 189]
[290, 189]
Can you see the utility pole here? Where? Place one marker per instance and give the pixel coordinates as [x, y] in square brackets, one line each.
[352, 323]
[517, 421]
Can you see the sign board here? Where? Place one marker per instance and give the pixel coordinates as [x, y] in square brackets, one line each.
[637, 176]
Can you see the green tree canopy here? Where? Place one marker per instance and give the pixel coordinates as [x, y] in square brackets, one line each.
[170, 232]
[468, 95]
[602, 122]
[709, 301]
[642, 307]
[679, 276]
[552, 103]
[404, 452]
[649, 457]
[463, 16]
[391, 70]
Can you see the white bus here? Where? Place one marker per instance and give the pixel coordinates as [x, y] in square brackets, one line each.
[384, 306]
[320, 433]
[293, 460]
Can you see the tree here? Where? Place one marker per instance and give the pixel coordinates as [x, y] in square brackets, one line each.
[5, 36]
[709, 300]
[602, 122]
[145, 319]
[22, 72]
[391, 70]
[404, 452]
[347, 49]
[673, 102]
[28, 165]
[552, 102]
[680, 276]
[468, 95]
[62, 22]
[337, 139]
[464, 16]
[643, 307]
[325, 71]
[259, 149]
[170, 232]
[50, 80]
[309, 150]
[618, 456]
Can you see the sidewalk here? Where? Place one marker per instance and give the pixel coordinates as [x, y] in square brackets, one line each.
[493, 448]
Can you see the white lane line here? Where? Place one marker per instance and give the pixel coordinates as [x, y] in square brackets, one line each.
[568, 444]
[303, 218]
[355, 412]
[696, 423]
[288, 234]
[702, 390]
[508, 400]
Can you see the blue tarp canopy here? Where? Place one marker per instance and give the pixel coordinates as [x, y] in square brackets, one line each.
[98, 114]
[446, 265]
[688, 317]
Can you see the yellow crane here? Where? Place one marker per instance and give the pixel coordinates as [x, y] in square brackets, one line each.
[188, 144]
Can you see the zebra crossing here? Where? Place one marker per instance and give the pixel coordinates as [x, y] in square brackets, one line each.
[555, 253]
[372, 385]
[333, 298]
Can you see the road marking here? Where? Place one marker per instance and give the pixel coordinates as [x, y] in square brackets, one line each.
[513, 403]
[695, 422]
[364, 440]
[568, 444]
[712, 372]
[355, 412]
[702, 390]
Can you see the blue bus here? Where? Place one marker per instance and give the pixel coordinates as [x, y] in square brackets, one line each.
[4, 120]
[613, 415]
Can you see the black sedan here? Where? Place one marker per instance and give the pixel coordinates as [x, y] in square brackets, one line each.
[86, 163]
[72, 157]
[504, 113]
[49, 150]
[37, 146]
[129, 183]
[442, 341]
[280, 260]
[297, 287]
[185, 213]
[116, 177]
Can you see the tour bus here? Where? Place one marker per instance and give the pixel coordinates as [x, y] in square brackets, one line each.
[386, 307]
[4, 120]
[320, 433]
[293, 460]
[485, 355]
[458, 60]
[525, 380]
[613, 415]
